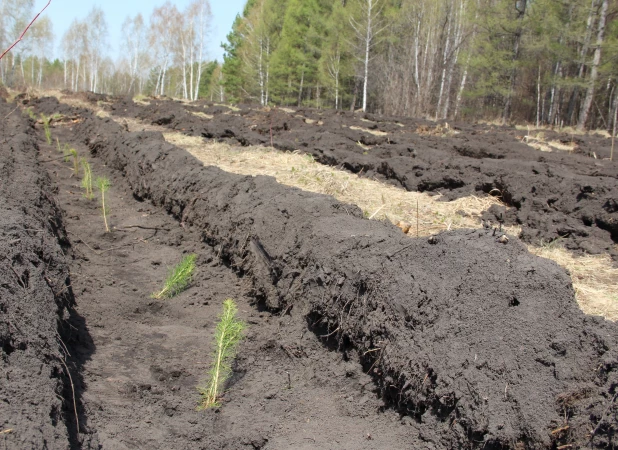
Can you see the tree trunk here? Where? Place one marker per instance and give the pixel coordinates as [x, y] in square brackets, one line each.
[516, 46]
[594, 73]
[367, 47]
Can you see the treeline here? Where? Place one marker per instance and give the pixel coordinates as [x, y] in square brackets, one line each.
[162, 55]
[545, 61]
[550, 62]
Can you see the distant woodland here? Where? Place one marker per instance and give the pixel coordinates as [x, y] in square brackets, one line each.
[548, 62]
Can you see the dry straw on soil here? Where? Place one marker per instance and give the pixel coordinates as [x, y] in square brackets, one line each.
[594, 277]
[377, 200]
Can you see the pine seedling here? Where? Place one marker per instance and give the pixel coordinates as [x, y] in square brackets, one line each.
[47, 129]
[227, 337]
[73, 154]
[87, 179]
[58, 146]
[178, 279]
[103, 184]
[66, 151]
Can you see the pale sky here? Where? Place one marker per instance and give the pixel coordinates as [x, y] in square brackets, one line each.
[62, 13]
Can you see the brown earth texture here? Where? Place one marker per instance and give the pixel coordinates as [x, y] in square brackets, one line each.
[357, 337]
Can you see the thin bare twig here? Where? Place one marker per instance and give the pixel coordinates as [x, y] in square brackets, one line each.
[24, 32]
[5, 117]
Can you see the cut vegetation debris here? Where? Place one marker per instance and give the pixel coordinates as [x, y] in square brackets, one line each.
[178, 279]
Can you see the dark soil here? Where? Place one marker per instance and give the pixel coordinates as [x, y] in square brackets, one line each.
[35, 294]
[137, 361]
[475, 343]
[572, 197]
[357, 336]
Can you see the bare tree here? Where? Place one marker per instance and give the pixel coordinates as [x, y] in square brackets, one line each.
[42, 37]
[162, 39]
[367, 28]
[134, 33]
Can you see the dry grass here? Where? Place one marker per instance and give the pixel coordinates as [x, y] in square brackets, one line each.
[594, 277]
[367, 130]
[377, 200]
[439, 130]
[202, 115]
[567, 130]
[538, 142]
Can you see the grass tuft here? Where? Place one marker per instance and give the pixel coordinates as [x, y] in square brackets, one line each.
[178, 279]
[104, 184]
[227, 337]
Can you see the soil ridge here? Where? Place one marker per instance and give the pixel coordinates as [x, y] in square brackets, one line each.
[35, 296]
[554, 195]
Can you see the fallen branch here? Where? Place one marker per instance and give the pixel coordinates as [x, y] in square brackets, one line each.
[24, 32]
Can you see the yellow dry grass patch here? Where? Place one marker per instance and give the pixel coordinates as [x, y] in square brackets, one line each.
[538, 142]
[595, 279]
[567, 130]
[202, 115]
[377, 200]
[366, 130]
[439, 130]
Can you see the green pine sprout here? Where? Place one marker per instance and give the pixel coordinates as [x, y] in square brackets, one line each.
[72, 153]
[87, 179]
[178, 279]
[47, 129]
[66, 151]
[103, 184]
[227, 337]
[30, 113]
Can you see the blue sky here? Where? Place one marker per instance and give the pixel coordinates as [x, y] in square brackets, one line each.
[62, 13]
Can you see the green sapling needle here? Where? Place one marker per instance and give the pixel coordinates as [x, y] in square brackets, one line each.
[228, 335]
[178, 279]
[103, 184]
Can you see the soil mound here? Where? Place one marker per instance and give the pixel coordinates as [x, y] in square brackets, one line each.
[555, 195]
[480, 343]
[35, 295]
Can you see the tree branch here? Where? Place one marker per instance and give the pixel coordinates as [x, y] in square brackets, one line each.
[24, 32]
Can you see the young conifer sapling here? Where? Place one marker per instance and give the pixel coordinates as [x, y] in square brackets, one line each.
[178, 278]
[103, 184]
[227, 337]
[87, 179]
[47, 129]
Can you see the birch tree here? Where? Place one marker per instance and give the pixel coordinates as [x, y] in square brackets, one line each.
[162, 40]
[134, 34]
[367, 27]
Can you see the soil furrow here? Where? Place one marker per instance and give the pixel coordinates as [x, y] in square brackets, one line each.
[140, 360]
